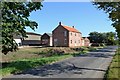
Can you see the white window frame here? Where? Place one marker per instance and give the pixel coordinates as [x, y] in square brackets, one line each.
[65, 33]
[71, 41]
[65, 41]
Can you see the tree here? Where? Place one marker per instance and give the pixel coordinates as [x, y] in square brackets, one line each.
[113, 9]
[15, 20]
[96, 37]
[108, 38]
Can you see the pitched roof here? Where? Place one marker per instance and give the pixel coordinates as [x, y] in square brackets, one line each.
[71, 29]
[31, 33]
[85, 38]
[49, 34]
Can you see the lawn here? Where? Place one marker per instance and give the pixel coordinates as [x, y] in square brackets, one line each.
[27, 58]
[114, 68]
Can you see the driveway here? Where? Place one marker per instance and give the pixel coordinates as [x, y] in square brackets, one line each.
[91, 65]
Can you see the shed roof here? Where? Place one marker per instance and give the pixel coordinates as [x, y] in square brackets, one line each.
[31, 33]
[49, 34]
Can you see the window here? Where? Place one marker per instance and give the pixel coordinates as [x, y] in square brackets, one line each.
[75, 41]
[55, 40]
[65, 41]
[71, 41]
[65, 33]
[75, 34]
[79, 41]
[71, 33]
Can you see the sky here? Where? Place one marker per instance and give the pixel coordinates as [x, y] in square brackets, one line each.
[83, 15]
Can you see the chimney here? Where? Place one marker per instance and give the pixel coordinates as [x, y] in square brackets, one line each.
[59, 23]
[73, 26]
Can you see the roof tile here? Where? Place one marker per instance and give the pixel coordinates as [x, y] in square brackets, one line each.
[71, 29]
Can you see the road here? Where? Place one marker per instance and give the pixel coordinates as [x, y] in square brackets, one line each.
[91, 65]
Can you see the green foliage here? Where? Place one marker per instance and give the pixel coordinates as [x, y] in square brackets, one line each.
[92, 48]
[15, 20]
[114, 68]
[113, 9]
[95, 37]
[108, 38]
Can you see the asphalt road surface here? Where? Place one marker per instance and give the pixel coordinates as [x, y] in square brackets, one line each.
[91, 65]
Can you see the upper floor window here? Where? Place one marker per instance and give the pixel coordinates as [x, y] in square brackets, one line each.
[71, 33]
[75, 34]
[65, 33]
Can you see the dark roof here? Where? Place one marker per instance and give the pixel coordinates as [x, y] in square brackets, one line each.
[83, 37]
[86, 37]
[31, 33]
[49, 34]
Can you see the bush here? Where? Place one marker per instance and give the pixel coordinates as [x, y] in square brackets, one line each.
[78, 49]
[92, 49]
[52, 52]
[95, 44]
[102, 44]
[55, 52]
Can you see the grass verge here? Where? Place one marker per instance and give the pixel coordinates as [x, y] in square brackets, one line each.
[114, 68]
[20, 65]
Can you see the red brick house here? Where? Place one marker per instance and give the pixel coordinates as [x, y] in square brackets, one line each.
[66, 36]
[86, 41]
[46, 39]
[82, 42]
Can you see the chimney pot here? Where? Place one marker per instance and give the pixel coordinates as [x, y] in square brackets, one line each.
[73, 26]
[59, 23]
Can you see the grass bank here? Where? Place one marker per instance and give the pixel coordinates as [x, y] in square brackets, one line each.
[114, 68]
[20, 65]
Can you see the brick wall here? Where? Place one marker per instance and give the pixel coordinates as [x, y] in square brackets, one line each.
[74, 39]
[62, 37]
[86, 42]
[59, 37]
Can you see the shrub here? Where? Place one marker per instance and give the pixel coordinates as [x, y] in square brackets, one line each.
[92, 49]
[52, 52]
[102, 44]
[95, 44]
[78, 49]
